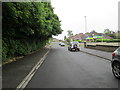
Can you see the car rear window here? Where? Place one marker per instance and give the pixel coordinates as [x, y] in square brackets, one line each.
[118, 49]
[75, 45]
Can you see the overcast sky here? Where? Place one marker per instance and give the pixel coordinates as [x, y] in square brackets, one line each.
[100, 15]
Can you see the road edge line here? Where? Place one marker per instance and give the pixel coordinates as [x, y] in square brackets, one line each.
[26, 80]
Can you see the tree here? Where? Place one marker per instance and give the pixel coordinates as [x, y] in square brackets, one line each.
[70, 33]
[93, 31]
[27, 26]
[109, 33]
[65, 37]
[68, 40]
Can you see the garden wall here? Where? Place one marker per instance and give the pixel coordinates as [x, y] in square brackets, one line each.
[107, 48]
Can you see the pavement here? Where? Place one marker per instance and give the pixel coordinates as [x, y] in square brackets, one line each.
[98, 53]
[14, 73]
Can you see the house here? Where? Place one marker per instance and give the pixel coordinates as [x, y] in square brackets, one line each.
[77, 36]
[89, 36]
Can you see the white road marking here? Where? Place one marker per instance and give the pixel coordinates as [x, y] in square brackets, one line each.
[26, 80]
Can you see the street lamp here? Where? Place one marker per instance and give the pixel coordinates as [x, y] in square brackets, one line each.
[85, 24]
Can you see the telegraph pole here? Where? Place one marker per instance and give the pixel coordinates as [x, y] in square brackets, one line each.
[85, 24]
[85, 29]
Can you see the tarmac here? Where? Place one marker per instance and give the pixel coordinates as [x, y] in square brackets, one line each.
[14, 73]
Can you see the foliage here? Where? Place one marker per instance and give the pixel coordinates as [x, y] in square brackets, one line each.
[27, 26]
[117, 36]
[93, 31]
[65, 37]
[109, 33]
[108, 40]
[70, 33]
[68, 40]
[79, 41]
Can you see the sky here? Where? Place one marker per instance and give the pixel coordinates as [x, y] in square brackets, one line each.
[100, 15]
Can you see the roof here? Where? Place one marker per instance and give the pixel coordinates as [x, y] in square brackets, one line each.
[82, 36]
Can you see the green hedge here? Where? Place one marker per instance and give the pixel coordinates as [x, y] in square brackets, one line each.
[13, 48]
[26, 27]
[108, 40]
[80, 41]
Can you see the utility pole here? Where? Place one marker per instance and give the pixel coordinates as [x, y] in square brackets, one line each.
[118, 16]
[85, 30]
[85, 24]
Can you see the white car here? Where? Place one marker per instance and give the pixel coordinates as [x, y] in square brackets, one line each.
[62, 44]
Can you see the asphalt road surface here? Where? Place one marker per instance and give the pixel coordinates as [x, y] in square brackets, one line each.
[65, 69]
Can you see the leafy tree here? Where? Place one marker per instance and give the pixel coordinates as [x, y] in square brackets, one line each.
[93, 31]
[109, 33]
[70, 33]
[65, 37]
[27, 26]
[68, 40]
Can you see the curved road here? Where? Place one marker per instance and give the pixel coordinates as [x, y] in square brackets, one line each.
[65, 69]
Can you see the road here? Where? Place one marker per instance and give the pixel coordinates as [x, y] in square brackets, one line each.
[65, 69]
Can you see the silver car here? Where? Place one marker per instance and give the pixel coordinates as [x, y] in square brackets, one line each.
[116, 63]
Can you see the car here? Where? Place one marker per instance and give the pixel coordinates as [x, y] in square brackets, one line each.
[62, 44]
[74, 47]
[115, 63]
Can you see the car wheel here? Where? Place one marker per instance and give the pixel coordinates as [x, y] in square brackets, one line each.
[116, 70]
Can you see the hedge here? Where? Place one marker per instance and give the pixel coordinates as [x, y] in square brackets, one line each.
[108, 40]
[27, 27]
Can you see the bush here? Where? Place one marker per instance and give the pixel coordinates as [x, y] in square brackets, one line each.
[79, 41]
[108, 40]
[27, 26]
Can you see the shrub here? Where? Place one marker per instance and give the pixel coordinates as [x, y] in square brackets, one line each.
[27, 26]
[108, 40]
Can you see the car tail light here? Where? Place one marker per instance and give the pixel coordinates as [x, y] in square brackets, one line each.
[113, 54]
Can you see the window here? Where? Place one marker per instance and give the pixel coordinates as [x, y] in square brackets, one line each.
[118, 49]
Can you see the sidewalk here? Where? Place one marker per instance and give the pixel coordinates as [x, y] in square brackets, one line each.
[13, 73]
[101, 54]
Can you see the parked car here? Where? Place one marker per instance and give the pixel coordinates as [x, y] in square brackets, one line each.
[116, 63]
[62, 44]
[74, 47]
